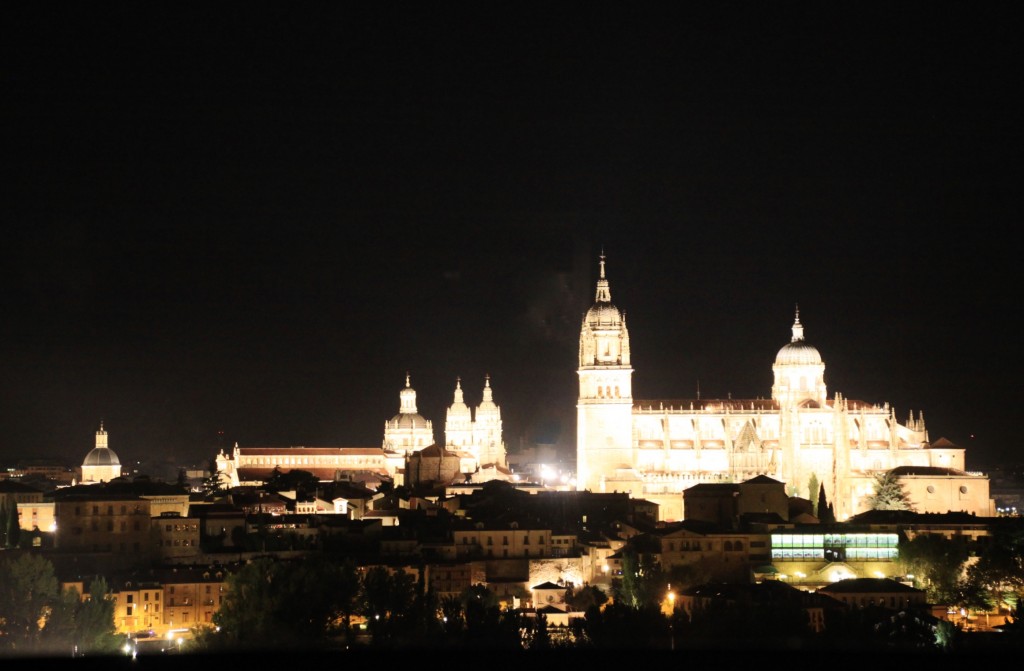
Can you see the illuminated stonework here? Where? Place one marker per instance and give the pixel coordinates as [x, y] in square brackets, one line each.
[475, 434]
[654, 449]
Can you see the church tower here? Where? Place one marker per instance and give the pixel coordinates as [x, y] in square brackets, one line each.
[487, 433]
[604, 434]
[458, 425]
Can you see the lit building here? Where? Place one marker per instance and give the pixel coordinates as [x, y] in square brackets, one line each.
[655, 449]
[101, 464]
[475, 432]
[104, 522]
[407, 431]
[473, 437]
[256, 465]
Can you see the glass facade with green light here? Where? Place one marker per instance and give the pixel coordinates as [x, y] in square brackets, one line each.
[835, 546]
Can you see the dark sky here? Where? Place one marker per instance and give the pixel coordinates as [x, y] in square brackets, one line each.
[239, 224]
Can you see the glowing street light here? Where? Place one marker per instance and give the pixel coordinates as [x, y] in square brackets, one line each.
[671, 613]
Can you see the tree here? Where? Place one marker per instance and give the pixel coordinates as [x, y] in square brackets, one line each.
[282, 604]
[589, 595]
[345, 586]
[620, 626]
[824, 511]
[999, 571]
[937, 563]
[3, 523]
[642, 581]
[812, 490]
[453, 618]
[95, 626]
[10, 525]
[13, 527]
[215, 483]
[298, 480]
[889, 494]
[540, 636]
[28, 587]
[387, 600]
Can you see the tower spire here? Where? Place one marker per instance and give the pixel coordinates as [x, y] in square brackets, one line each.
[604, 294]
[798, 329]
[488, 393]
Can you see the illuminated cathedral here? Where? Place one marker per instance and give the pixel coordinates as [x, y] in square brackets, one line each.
[655, 449]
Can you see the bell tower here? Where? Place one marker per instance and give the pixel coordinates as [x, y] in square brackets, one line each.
[604, 417]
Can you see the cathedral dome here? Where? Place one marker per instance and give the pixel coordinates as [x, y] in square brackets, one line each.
[408, 420]
[798, 353]
[408, 416]
[101, 456]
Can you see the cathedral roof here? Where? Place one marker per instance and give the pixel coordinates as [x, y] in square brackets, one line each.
[308, 451]
[928, 470]
[798, 352]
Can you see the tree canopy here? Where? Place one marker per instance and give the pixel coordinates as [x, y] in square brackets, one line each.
[889, 493]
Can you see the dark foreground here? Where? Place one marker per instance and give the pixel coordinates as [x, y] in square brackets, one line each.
[430, 659]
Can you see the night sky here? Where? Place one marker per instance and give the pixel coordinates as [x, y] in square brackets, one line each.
[233, 224]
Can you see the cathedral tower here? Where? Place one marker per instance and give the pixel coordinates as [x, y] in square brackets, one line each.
[604, 433]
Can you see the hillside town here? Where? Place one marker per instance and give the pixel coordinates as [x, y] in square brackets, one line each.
[696, 515]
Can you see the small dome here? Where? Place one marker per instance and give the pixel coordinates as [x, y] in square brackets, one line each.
[101, 456]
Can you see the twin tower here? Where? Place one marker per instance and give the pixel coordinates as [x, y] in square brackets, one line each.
[474, 433]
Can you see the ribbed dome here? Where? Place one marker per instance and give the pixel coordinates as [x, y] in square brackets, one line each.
[101, 456]
[407, 420]
[603, 315]
[798, 353]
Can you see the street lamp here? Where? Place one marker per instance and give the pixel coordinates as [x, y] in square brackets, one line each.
[671, 614]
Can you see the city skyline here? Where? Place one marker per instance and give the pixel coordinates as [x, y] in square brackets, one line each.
[264, 239]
